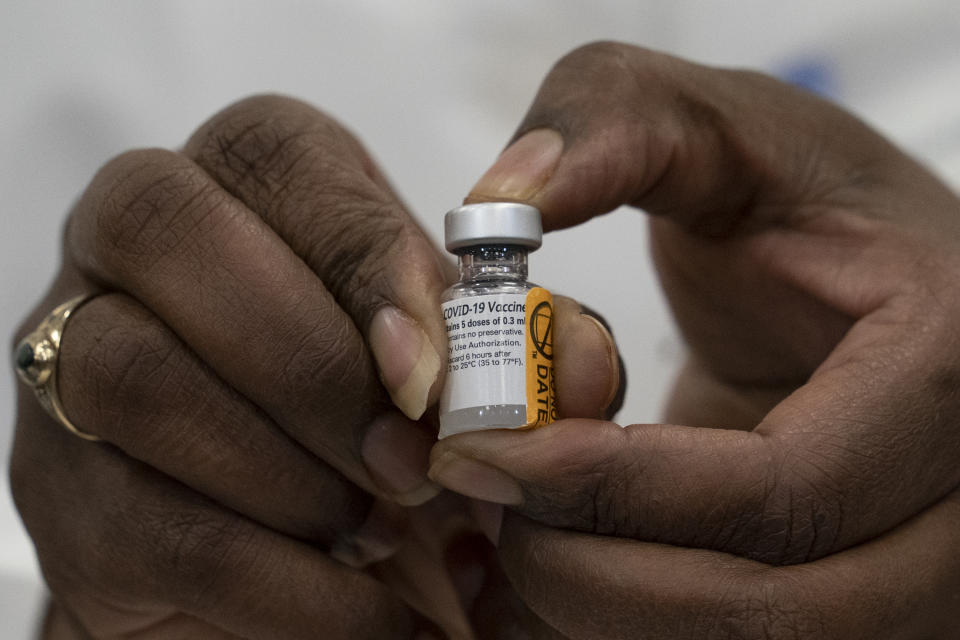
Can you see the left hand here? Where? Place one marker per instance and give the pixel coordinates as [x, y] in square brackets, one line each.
[812, 268]
[248, 288]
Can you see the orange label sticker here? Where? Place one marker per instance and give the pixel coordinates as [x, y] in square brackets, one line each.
[541, 386]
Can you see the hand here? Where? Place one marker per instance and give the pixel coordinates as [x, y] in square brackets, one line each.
[251, 289]
[813, 270]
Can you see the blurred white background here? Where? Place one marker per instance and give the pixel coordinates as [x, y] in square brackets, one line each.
[434, 88]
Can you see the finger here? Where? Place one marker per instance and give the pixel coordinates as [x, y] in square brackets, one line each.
[154, 225]
[781, 497]
[114, 535]
[729, 161]
[268, 145]
[902, 585]
[128, 379]
[827, 473]
[616, 124]
[822, 471]
[316, 187]
[587, 367]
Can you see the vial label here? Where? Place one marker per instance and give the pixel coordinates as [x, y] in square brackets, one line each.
[541, 385]
[501, 354]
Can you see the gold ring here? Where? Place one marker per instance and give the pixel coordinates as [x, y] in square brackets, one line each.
[36, 362]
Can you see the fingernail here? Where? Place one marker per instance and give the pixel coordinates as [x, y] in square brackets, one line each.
[475, 479]
[489, 517]
[378, 538]
[408, 363]
[396, 452]
[610, 347]
[523, 169]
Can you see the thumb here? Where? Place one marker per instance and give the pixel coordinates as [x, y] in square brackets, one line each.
[615, 124]
[650, 482]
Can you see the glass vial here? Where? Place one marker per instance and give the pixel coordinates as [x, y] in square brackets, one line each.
[499, 325]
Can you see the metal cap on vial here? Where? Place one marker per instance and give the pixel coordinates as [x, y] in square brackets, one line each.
[492, 223]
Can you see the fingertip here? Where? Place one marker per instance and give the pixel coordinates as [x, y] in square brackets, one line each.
[378, 538]
[395, 451]
[408, 362]
[588, 368]
[474, 478]
[610, 362]
[522, 170]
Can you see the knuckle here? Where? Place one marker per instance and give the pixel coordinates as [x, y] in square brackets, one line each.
[309, 179]
[197, 549]
[358, 240]
[116, 356]
[588, 506]
[621, 481]
[628, 75]
[600, 56]
[602, 496]
[145, 204]
[613, 503]
[802, 516]
[313, 182]
[171, 549]
[266, 141]
[594, 87]
[329, 355]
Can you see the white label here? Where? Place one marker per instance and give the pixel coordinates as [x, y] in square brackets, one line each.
[485, 358]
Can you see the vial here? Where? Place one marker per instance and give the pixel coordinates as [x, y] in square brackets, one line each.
[499, 326]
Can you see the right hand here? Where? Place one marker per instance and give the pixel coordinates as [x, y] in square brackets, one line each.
[249, 289]
[812, 268]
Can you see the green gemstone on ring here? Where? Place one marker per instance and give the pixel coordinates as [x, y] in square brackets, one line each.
[24, 355]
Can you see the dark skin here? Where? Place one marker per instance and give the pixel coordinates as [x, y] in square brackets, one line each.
[804, 486]
[255, 479]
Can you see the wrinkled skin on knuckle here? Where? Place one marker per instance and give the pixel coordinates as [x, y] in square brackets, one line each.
[593, 87]
[264, 139]
[121, 356]
[328, 358]
[161, 547]
[597, 494]
[196, 551]
[358, 248]
[615, 504]
[582, 505]
[803, 513]
[615, 101]
[140, 207]
[628, 86]
[312, 181]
